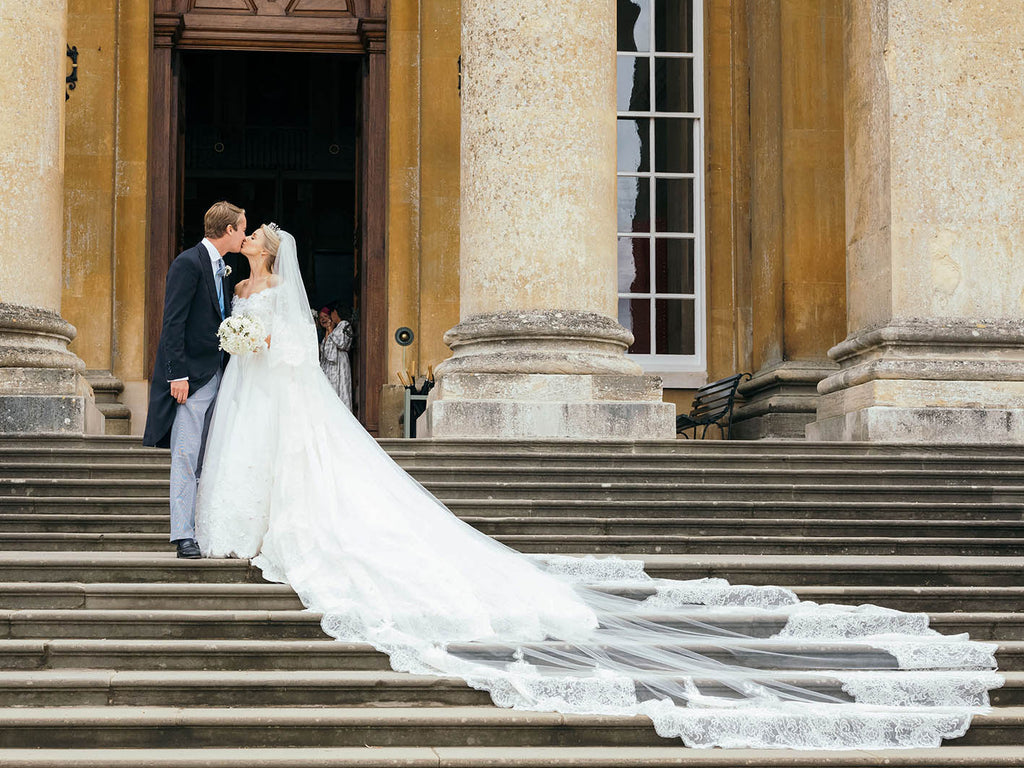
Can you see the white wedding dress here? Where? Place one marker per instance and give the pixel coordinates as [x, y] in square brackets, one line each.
[293, 481]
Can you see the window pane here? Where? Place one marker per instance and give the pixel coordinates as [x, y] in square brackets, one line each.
[673, 265]
[634, 84]
[675, 327]
[674, 201]
[635, 316]
[634, 204]
[634, 145]
[634, 25]
[673, 83]
[673, 145]
[634, 265]
[673, 26]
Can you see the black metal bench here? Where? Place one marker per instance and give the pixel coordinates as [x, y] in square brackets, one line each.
[712, 404]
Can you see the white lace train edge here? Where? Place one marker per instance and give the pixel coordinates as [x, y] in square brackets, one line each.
[710, 663]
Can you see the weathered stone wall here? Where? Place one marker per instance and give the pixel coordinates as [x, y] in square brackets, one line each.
[797, 260]
[423, 188]
[934, 131]
[105, 201]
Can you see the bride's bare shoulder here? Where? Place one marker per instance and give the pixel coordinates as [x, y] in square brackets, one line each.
[273, 281]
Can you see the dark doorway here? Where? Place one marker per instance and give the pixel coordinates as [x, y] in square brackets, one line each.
[277, 134]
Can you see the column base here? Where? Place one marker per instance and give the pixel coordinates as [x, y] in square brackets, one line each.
[485, 405]
[117, 417]
[42, 386]
[940, 382]
[780, 400]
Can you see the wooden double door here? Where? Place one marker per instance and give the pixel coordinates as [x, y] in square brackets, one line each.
[280, 106]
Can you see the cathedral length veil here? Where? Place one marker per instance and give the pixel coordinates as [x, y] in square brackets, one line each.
[713, 664]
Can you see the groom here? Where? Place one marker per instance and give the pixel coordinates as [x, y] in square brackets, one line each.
[189, 362]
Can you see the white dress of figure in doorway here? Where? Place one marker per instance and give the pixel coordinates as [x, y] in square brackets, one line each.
[334, 353]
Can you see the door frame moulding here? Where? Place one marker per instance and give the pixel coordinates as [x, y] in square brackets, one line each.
[355, 27]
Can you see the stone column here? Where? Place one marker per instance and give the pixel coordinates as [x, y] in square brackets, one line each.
[41, 389]
[538, 351]
[797, 235]
[935, 229]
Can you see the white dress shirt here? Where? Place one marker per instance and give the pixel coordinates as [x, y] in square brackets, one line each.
[214, 258]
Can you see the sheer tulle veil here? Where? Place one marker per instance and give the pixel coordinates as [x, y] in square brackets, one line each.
[711, 663]
[294, 341]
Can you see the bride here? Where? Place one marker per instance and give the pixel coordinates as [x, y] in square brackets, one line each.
[292, 481]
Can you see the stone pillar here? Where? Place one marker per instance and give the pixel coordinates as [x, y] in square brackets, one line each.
[538, 351]
[41, 387]
[935, 229]
[797, 233]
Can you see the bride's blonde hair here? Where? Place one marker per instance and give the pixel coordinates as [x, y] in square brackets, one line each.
[271, 242]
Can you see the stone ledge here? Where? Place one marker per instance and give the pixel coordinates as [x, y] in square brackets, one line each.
[922, 425]
[546, 341]
[534, 387]
[585, 420]
[26, 414]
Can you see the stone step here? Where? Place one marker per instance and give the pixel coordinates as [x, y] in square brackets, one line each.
[146, 596]
[38, 506]
[93, 470]
[557, 470]
[122, 567]
[762, 545]
[543, 445]
[698, 526]
[841, 477]
[27, 523]
[160, 624]
[651, 542]
[134, 727]
[526, 489]
[283, 625]
[793, 459]
[156, 596]
[256, 688]
[323, 653]
[355, 726]
[337, 688]
[58, 487]
[511, 757]
[723, 492]
[783, 570]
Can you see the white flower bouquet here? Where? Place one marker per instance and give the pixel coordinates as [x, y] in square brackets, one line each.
[239, 334]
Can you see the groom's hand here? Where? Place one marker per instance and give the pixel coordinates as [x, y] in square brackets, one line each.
[179, 391]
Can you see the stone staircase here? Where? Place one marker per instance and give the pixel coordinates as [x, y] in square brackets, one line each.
[115, 653]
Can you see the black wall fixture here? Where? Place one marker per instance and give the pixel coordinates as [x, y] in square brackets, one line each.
[71, 80]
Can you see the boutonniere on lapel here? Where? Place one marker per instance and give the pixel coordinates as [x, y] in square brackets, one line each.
[227, 270]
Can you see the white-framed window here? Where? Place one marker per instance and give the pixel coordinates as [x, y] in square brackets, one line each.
[661, 186]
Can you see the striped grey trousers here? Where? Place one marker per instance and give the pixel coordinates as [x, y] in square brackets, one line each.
[188, 442]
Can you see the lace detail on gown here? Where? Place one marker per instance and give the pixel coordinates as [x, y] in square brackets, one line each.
[293, 476]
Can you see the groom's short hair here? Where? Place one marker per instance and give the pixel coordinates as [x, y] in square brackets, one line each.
[221, 216]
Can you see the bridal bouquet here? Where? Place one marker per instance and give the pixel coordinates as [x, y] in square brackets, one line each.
[239, 334]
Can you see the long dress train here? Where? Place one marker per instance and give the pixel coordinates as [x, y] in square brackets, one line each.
[293, 481]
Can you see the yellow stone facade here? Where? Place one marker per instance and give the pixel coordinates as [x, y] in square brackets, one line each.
[103, 286]
[775, 212]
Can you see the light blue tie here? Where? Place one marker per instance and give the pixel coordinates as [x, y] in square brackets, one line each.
[220, 286]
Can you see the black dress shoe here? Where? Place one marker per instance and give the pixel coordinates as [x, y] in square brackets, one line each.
[188, 548]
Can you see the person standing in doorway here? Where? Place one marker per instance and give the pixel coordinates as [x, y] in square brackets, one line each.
[334, 351]
[189, 362]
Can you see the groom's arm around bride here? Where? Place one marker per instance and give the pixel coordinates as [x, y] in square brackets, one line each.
[189, 361]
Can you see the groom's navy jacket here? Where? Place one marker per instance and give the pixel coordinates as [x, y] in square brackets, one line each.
[188, 341]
